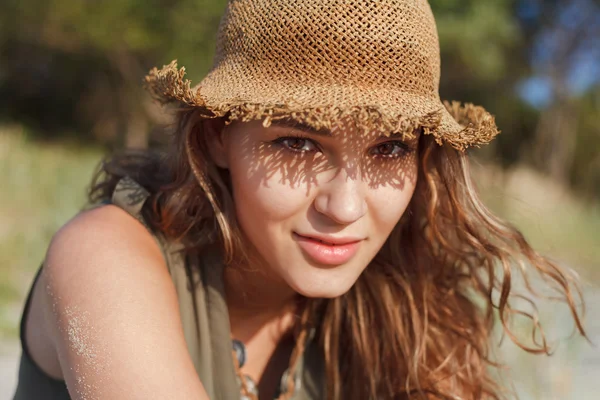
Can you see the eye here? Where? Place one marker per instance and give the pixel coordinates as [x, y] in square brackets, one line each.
[394, 148]
[297, 144]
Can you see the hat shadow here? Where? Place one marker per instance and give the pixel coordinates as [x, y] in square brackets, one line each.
[269, 166]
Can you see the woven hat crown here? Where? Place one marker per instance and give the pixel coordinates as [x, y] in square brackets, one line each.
[362, 46]
[317, 61]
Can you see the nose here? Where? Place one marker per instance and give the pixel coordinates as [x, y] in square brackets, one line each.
[342, 199]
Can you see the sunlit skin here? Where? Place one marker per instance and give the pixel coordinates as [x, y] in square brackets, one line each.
[291, 184]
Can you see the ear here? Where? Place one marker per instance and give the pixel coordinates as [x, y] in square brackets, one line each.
[216, 140]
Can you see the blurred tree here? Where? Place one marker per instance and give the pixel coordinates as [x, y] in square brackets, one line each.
[535, 64]
[585, 170]
[79, 64]
[484, 56]
[565, 58]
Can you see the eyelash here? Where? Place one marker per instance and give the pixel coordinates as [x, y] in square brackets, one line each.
[280, 141]
[404, 148]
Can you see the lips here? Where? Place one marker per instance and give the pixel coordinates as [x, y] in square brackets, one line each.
[328, 250]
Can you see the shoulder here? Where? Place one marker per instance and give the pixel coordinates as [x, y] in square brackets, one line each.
[103, 245]
[103, 232]
[112, 308]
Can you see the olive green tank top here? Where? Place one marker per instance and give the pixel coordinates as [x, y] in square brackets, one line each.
[200, 291]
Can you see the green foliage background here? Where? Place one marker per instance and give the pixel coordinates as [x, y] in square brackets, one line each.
[74, 68]
[71, 88]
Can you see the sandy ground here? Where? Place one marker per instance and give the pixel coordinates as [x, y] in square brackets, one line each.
[9, 366]
[572, 372]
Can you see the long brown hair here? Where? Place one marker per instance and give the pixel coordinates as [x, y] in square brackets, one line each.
[418, 321]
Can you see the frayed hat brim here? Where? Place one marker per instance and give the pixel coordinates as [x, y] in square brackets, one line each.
[460, 125]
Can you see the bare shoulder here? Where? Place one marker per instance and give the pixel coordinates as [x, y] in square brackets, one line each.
[107, 237]
[112, 312]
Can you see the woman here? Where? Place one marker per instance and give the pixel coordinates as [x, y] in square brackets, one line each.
[312, 232]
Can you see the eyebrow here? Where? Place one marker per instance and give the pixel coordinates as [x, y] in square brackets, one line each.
[290, 123]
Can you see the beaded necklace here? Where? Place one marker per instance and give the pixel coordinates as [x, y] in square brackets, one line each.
[249, 385]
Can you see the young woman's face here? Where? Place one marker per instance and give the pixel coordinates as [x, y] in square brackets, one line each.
[316, 207]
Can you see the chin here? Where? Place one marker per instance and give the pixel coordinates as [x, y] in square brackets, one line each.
[322, 294]
[325, 293]
[325, 284]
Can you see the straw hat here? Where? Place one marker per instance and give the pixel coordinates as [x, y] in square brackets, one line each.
[318, 61]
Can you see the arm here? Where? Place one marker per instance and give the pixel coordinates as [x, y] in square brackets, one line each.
[112, 312]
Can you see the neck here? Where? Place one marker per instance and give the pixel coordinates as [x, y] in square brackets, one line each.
[256, 301]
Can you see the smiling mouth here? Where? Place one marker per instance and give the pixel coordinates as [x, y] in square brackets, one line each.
[330, 242]
[334, 251]
[318, 240]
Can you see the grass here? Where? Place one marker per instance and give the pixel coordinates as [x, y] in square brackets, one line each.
[43, 186]
[555, 221]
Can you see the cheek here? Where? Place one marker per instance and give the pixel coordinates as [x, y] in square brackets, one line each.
[387, 204]
[272, 203]
[264, 201]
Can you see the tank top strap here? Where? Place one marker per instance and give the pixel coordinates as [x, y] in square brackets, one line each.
[198, 281]
[130, 196]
